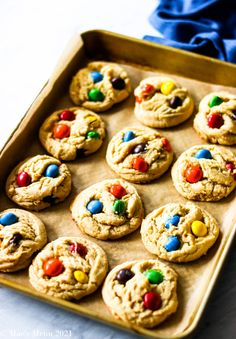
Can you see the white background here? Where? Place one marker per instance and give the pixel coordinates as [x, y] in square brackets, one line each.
[33, 34]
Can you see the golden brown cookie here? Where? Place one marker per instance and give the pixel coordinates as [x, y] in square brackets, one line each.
[139, 155]
[99, 86]
[21, 235]
[71, 133]
[38, 182]
[141, 292]
[179, 232]
[216, 120]
[205, 173]
[69, 268]
[162, 103]
[109, 209]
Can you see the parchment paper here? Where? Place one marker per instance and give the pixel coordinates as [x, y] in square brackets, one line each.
[195, 277]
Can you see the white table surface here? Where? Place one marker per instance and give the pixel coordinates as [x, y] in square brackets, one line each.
[33, 35]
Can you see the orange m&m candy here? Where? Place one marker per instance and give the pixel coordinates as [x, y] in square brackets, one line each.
[193, 173]
[140, 164]
[53, 267]
[61, 131]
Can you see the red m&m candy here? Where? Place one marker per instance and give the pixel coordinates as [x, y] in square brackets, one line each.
[23, 179]
[152, 301]
[79, 248]
[61, 131]
[230, 167]
[215, 120]
[140, 164]
[53, 267]
[193, 173]
[67, 115]
[166, 145]
[118, 191]
[148, 89]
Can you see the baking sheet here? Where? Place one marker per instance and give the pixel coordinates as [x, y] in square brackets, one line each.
[194, 278]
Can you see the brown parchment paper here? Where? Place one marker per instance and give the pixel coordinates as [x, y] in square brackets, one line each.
[195, 277]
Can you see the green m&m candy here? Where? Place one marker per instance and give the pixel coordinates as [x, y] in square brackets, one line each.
[119, 207]
[215, 101]
[154, 276]
[95, 95]
[92, 135]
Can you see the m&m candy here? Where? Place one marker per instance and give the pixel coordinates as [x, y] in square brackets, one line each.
[119, 207]
[129, 135]
[23, 179]
[198, 228]
[8, 219]
[118, 191]
[138, 100]
[79, 248]
[96, 76]
[80, 276]
[92, 135]
[148, 89]
[166, 145]
[203, 154]
[61, 131]
[96, 95]
[193, 173]
[215, 101]
[95, 206]
[215, 120]
[172, 243]
[118, 83]
[154, 276]
[67, 115]
[167, 87]
[140, 164]
[230, 166]
[124, 275]
[52, 171]
[152, 301]
[174, 220]
[53, 267]
[16, 239]
[175, 102]
[140, 148]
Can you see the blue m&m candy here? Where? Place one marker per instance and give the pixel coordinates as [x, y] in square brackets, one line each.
[129, 135]
[8, 219]
[203, 154]
[52, 171]
[96, 76]
[95, 206]
[174, 220]
[172, 243]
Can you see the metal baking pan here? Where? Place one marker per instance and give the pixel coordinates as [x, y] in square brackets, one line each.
[141, 59]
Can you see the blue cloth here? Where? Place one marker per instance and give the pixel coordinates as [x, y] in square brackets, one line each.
[203, 26]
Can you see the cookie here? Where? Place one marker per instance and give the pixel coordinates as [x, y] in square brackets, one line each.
[216, 120]
[205, 173]
[139, 155]
[108, 210]
[38, 182]
[141, 292]
[21, 235]
[99, 86]
[162, 103]
[69, 268]
[71, 133]
[179, 232]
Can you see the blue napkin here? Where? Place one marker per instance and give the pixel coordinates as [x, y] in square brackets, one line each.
[203, 26]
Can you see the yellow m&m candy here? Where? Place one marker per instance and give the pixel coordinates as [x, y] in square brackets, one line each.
[80, 276]
[167, 87]
[91, 119]
[199, 228]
